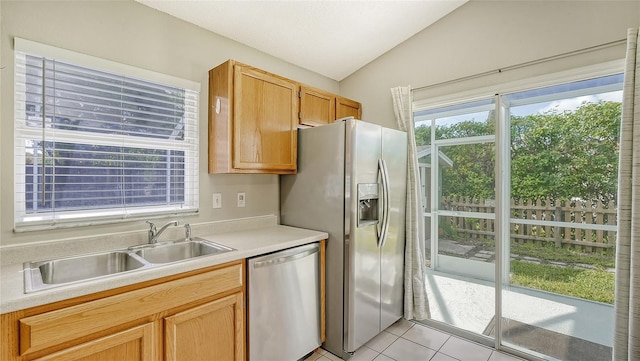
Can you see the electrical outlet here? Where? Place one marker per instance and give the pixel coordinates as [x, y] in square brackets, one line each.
[241, 199]
[217, 200]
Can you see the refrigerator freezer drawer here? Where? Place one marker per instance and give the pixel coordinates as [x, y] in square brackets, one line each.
[284, 304]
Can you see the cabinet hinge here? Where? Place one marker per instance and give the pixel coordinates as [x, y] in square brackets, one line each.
[300, 94]
[299, 115]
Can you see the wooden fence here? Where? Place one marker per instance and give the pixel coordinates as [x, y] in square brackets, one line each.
[593, 213]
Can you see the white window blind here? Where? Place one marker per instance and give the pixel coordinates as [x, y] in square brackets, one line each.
[93, 145]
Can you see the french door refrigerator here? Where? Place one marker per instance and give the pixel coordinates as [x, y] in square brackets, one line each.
[351, 183]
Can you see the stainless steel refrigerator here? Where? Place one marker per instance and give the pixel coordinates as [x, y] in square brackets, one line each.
[351, 183]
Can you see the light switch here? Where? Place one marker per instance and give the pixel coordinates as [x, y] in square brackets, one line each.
[241, 199]
[217, 200]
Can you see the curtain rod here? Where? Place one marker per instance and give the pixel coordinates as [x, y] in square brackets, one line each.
[525, 64]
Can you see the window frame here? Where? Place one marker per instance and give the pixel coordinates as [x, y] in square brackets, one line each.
[73, 218]
[529, 83]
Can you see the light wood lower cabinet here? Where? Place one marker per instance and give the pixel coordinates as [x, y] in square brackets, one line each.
[199, 315]
[207, 332]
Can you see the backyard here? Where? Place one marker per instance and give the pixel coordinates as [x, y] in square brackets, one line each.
[549, 258]
[563, 189]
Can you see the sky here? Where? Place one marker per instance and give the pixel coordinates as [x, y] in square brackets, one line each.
[568, 104]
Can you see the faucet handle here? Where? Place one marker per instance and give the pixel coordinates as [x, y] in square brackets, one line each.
[187, 231]
[152, 226]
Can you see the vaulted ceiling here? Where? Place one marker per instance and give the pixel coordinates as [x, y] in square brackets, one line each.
[333, 38]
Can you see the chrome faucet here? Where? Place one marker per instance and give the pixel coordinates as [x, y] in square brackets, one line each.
[154, 233]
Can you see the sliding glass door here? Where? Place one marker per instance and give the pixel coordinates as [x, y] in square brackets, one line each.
[558, 299]
[456, 150]
[520, 208]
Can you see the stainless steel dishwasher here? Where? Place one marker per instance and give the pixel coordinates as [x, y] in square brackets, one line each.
[284, 304]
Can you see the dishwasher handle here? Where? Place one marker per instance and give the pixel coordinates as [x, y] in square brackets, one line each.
[285, 258]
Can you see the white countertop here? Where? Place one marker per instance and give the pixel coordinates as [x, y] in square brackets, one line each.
[248, 243]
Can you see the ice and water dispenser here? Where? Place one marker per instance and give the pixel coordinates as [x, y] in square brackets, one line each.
[367, 204]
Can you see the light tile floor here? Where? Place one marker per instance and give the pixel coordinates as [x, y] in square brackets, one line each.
[409, 341]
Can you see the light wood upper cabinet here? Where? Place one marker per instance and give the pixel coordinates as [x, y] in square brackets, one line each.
[317, 107]
[254, 115]
[253, 119]
[348, 108]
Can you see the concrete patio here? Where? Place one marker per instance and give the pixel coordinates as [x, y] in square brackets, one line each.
[469, 304]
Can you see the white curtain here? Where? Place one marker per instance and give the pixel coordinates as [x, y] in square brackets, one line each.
[626, 345]
[416, 305]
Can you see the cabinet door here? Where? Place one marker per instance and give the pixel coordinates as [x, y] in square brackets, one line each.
[213, 331]
[137, 343]
[265, 121]
[316, 107]
[348, 108]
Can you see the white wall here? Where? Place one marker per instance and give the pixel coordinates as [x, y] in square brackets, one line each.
[483, 36]
[477, 37]
[133, 34]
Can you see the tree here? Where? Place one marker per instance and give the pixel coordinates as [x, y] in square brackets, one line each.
[573, 154]
[472, 173]
[554, 155]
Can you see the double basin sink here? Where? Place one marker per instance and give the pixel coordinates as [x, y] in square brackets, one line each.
[39, 275]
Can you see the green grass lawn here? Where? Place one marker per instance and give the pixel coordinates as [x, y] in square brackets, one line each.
[549, 252]
[596, 285]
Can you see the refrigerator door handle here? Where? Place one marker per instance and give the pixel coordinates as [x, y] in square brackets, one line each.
[384, 229]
